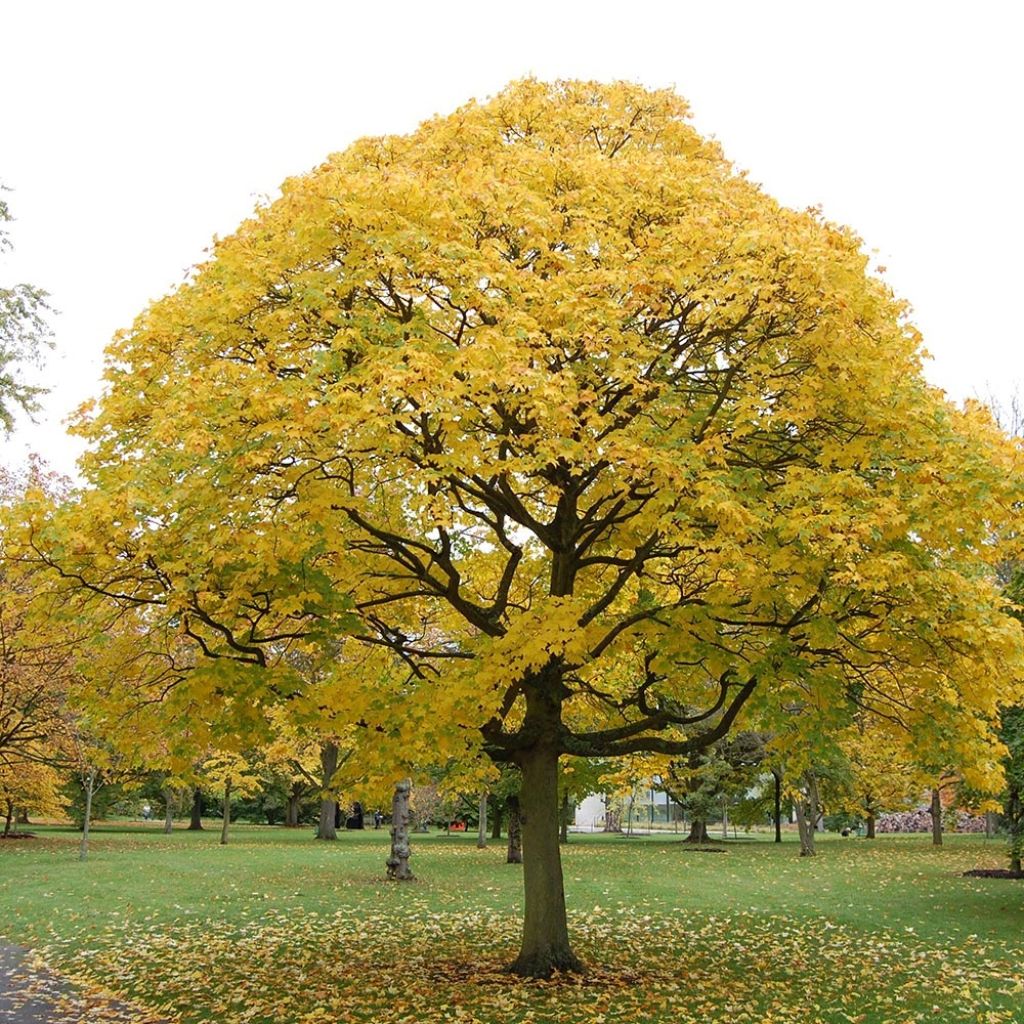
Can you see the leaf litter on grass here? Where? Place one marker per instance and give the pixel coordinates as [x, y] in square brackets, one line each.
[875, 934]
[421, 967]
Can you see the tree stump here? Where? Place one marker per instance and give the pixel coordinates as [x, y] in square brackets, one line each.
[398, 862]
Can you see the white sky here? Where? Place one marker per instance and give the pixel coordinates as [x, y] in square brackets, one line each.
[133, 132]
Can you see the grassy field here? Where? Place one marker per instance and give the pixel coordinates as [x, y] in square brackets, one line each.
[277, 927]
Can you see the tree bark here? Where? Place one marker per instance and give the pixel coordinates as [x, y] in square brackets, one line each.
[698, 832]
[291, 814]
[777, 776]
[545, 947]
[168, 796]
[398, 862]
[328, 827]
[515, 832]
[1015, 823]
[807, 808]
[936, 812]
[196, 822]
[612, 819]
[227, 814]
[90, 782]
[481, 836]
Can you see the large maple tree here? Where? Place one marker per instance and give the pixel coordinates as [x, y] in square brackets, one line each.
[604, 447]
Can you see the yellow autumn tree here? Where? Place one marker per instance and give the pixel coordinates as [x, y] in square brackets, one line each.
[600, 444]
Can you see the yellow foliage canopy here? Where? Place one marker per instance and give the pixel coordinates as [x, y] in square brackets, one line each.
[548, 382]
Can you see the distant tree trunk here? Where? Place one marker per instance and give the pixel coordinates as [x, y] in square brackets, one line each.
[227, 814]
[328, 827]
[168, 794]
[481, 836]
[725, 819]
[398, 862]
[291, 814]
[9, 819]
[936, 812]
[807, 809]
[990, 824]
[612, 819]
[870, 810]
[777, 776]
[21, 818]
[698, 832]
[1015, 823]
[563, 833]
[196, 822]
[496, 819]
[90, 782]
[515, 832]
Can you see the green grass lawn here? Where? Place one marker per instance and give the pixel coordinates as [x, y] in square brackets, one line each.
[279, 928]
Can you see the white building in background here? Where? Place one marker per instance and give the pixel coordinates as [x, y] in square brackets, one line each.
[590, 813]
[649, 806]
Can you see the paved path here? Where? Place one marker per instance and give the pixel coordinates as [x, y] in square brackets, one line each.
[32, 994]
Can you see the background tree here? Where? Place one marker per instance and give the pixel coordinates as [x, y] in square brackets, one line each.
[1012, 734]
[882, 776]
[33, 786]
[231, 774]
[707, 781]
[24, 335]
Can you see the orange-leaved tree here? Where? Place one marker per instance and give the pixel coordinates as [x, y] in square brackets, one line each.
[606, 449]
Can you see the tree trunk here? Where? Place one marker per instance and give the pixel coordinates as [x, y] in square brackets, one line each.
[725, 819]
[698, 832]
[196, 822]
[481, 836]
[291, 814]
[328, 827]
[806, 805]
[1015, 823]
[90, 782]
[563, 820]
[9, 819]
[168, 796]
[777, 776]
[871, 824]
[398, 862]
[612, 819]
[545, 946]
[936, 812]
[227, 814]
[21, 818]
[990, 824]
[495, 819]
[515, 832]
